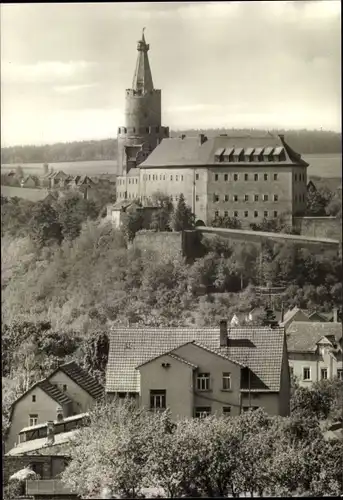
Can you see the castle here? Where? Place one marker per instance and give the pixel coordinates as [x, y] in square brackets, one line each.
[248, 177]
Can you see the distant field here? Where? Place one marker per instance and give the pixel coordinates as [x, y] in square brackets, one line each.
[327, 165]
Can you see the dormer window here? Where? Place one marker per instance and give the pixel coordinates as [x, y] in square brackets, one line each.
[267, 154]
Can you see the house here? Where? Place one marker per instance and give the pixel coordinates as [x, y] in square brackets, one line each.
[295, 314]
[115, 212]
[69, 390]
[196, 371]
[30, 181]
[315, 351]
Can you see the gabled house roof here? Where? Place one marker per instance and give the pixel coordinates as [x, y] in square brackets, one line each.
[82, 378]
[191, 151]
[303, 336]
[261, 349]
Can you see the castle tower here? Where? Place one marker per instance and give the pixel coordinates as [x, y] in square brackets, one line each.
[143, 130]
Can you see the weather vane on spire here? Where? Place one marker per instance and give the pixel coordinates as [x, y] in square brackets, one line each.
[143, 32]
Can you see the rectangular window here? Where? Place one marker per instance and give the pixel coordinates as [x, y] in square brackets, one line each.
[216, 213]
[255, 177]
[256, 197]
[226, 197]
[216, 177]
[246, 177]
[235, 213]
[226, 382]
[235, 177]
[265, 214]
[226, 411]
[160, 177]
[275, 177]
[255, 213]
[235, 197]
[226, 213]
[276, 197]
[182, 177]
[33, 420]
[246, 197]
[33, 398]
[196, 197]
[176, 177]
[216, 197]
[324, 373]
[171, 177]
[202, 411]
[226, 177]
[265, 177]
[136, 181]
[164, 177]
[64, 387]
[149, 177]
[306, 373]
[157, 400]
[291, 370]
[196, 177]
[340, 374]
[265, 197]
[203, 382]
[246, 214]
[275, 213]
[247, 408]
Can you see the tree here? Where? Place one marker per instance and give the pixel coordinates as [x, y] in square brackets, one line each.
[44, 225]
[316, 203]
[182, 217]
[226, 222]
[322, 401]
[72, 211]
[132, 223]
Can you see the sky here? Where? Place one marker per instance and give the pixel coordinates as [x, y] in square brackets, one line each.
[65, 67]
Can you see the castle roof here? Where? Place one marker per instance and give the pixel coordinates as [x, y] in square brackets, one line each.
[221, 150]
[142, 78]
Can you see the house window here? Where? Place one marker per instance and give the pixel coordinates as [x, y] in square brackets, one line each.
[226, 411]
[235, 213]
[235, 177]
[246, 177]
[265, 177]
[291, 370]
[275, 213]
[340, 374]
[33, 398]
[216, 197]
[157, 400]
[216, 213]
[306, 373]
[276, 198]
[235, 197]
[164, 177]
[203, 382]
[196, 177]
[255, 213]
[246, 197]
[226, 213]
[256, 197]
[265, 214]
[324, 373]
[176, 177]
[202, 411]
[275, 177]
[182, 177]
[196, 197]
[226, 197]
[171, 177]
[265, 197]
[33, 420]
[246, 214]
[226, 381]
[149, 177]
[226, 177]
[136, 181]
[216, 177]
[64, 387]
[255, 177]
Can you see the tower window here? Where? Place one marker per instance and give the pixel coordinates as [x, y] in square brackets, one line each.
[246, 214]
[235, 213]
[255, 177]
[276, 197]
[235, 177]
[235, 197]
[196, 177]
[246, 197]
[255, 214]
[171, 177]
[226, 197]
[246, 177]
[216, 177]
[226, 177]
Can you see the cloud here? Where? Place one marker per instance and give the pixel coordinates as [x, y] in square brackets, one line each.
[66, 89]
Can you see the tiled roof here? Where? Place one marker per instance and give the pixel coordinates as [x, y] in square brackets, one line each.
[259, 348]
[79, 416]
[83, 379]
[290, 314]
[302, 336]
[38, 444]
[189, 151]
[54, 392]
[178, 358]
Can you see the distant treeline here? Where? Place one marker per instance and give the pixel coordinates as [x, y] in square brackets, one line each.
[303, 141]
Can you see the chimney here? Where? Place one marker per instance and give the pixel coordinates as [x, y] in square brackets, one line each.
[223, 333]
[202, 139]
[50, 436]
[335, 315]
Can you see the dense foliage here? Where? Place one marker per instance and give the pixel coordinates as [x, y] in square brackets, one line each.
[126, 450]
[304, 141]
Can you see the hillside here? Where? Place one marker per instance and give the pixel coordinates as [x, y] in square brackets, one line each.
[304, 141]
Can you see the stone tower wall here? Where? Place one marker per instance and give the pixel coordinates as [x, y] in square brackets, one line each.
[142, 110]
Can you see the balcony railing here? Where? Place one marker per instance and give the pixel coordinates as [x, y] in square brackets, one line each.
[47, 487]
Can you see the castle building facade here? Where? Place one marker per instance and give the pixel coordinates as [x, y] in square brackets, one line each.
[142, 131]
[244, 176]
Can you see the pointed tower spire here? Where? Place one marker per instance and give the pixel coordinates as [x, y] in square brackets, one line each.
[142, 79]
